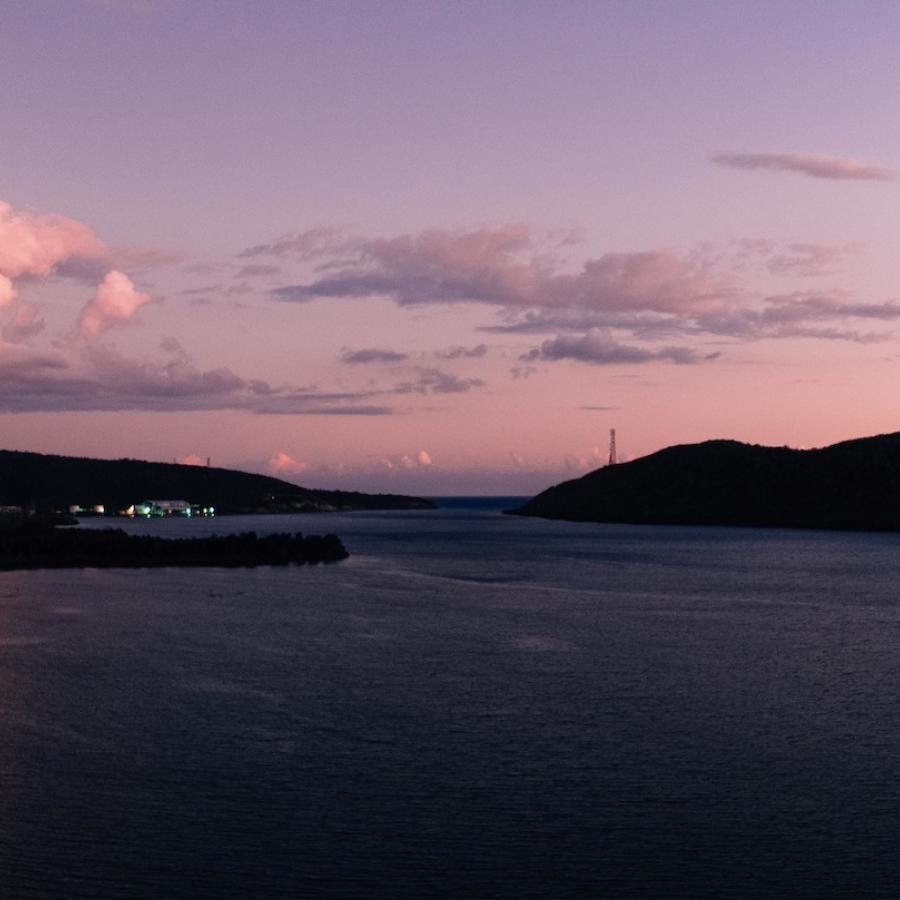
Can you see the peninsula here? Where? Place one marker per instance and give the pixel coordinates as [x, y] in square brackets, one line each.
[36, 543]
[44, 482]
[853, 485]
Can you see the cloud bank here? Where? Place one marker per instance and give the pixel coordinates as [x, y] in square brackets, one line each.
[94, 376]
[653, 296]
[503, 266]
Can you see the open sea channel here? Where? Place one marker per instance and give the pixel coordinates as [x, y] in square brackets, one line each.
[471, 706]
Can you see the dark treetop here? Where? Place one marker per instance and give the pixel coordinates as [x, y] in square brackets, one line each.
[34, 479]
[852, 485]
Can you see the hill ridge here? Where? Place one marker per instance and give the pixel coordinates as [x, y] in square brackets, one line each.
[53, 481]
[853, 485]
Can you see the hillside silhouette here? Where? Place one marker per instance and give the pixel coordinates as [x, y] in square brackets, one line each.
[40, 481]
[853, 485]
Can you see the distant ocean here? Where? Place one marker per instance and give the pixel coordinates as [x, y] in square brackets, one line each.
[473, 705]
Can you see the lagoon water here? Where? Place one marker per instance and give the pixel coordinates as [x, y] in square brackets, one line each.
[471, 706]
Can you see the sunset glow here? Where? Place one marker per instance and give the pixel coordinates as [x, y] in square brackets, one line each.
[443, 249]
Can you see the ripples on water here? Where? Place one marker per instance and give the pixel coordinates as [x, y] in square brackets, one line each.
[471, 706]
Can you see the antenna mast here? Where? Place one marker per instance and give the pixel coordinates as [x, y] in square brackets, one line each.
[612, 447]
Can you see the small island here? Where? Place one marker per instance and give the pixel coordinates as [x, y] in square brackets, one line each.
[853, 485]
[37, 543]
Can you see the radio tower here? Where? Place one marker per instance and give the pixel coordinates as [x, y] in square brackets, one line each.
[612, 447]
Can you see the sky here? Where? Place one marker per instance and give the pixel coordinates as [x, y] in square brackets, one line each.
[444, 248]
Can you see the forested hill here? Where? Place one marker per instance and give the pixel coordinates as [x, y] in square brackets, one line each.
[52, 482]
[851, 485]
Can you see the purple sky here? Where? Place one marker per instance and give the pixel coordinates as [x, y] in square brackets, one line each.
[443, 248]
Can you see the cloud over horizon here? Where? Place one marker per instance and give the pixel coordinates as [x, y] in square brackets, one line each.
[281, 463]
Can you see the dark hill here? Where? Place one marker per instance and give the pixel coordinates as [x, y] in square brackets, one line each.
[852, 485]
[53, 482]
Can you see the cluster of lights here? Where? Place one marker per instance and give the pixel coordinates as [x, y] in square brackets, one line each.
[149, 509]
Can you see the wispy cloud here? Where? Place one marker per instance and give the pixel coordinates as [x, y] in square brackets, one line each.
[800, 314]
[254, 270]
[436, 381]
[372, 355]
[95, 376]
[543, 322]
[815, 166]
[305, 245]
[599, 348]
[796, 259]
[476, 352]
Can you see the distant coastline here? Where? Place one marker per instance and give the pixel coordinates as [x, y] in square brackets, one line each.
[49, 483]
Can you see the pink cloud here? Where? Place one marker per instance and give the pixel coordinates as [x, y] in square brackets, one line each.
[7, 291]
[116, 301]
[35, 244]
[38, 245]
[505, 266]
[653, 294]
[24, 322]
[408, 461]
[281, 463]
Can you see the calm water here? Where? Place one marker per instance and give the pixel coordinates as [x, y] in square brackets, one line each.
[471, 706]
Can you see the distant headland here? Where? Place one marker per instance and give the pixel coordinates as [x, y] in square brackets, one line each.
[853, 485]
[35, 481]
